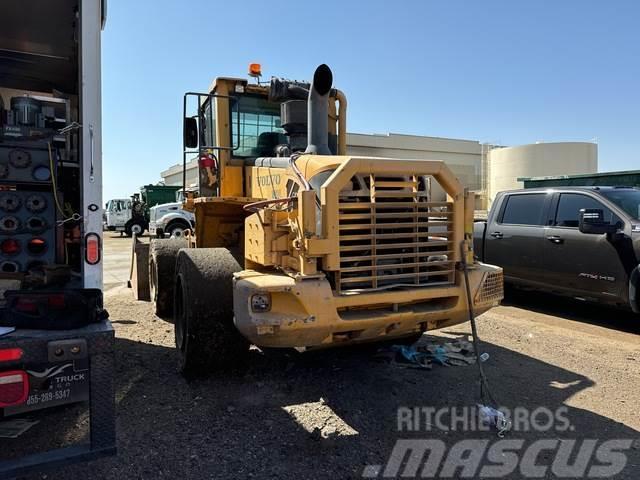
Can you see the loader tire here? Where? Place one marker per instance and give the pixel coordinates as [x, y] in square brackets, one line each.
[162, 269]
[206, 338]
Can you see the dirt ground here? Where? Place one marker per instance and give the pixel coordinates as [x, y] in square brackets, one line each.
[330, 414]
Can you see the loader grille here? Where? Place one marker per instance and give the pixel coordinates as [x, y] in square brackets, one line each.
[390, 235]
[491, 290]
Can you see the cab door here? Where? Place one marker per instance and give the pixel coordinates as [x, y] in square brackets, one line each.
[119, 213]
[514, 239]
[582, 264]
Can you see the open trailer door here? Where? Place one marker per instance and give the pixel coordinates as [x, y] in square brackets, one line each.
[61, 353]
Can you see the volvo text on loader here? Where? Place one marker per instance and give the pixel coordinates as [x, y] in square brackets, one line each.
[298, 244]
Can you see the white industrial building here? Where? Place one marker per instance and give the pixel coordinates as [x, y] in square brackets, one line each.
[483, 168]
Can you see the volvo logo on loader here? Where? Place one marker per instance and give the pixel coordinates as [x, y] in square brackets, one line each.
[266, 180]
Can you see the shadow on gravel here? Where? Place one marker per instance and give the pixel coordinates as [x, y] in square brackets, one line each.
[592, 313]
[279, 419]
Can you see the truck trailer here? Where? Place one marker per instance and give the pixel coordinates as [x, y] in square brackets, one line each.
[56, 343]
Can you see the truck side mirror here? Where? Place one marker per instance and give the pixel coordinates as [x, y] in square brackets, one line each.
[592, 221]
[190, 132]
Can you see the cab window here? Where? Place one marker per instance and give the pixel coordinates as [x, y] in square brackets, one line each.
[525, 209]
[208, 125]
[259, 123]
[569, 206]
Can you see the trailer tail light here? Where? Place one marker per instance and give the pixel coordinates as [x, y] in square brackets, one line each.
[14, 388]
[10, 246]
[37, 246]
[56, 301]
[92, 248]
[27, 305]
[10, 354]
[38, 303]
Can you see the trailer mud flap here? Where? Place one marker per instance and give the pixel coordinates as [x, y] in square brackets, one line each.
[55, 384]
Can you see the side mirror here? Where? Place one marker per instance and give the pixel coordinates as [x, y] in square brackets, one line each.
[592, 221]
[190, 134]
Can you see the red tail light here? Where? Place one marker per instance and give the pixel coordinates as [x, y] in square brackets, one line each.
[10, 354]
[14, 388]
[40, 303]
[37, 246]
[10, 246]
[92, 248]
[27, 305]
[56, 301]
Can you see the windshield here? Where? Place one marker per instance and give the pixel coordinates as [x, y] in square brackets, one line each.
[260, 130]
[116, 205]
[628, 200]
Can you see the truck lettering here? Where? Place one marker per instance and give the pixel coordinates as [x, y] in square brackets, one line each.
[78, 377]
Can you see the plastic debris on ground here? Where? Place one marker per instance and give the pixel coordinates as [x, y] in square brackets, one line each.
[494, 418]
[422, 356]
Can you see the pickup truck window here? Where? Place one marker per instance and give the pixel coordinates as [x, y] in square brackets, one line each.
[569, 205]
[524, 209]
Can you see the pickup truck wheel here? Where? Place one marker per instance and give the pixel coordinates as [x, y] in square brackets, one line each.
[162, 269]
[206, 338]
[177, 228]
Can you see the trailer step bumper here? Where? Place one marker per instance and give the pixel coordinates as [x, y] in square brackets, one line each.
[54, 458]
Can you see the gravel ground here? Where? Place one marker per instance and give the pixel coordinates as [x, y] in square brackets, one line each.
[330, 414]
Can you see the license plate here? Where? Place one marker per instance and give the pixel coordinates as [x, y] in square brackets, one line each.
[51, 385]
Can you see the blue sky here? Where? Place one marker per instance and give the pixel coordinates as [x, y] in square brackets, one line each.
[509, 72]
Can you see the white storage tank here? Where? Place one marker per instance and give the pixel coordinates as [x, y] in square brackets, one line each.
[508, 164]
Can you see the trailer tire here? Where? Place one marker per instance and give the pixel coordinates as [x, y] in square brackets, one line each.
[206, 338]
[162, 270]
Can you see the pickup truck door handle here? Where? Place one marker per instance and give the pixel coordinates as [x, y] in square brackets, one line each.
[496, 234]
[555, 239]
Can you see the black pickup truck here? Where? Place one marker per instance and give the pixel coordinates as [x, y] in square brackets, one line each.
[582, 242]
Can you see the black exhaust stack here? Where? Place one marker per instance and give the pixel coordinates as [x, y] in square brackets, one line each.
[318, 112]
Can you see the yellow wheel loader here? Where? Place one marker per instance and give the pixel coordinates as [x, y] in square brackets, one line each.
[298, 244]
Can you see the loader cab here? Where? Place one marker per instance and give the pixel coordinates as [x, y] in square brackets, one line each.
[223, 128]
[237, 122]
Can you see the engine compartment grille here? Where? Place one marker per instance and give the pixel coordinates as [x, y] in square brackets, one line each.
[391, 235]
[491, 290]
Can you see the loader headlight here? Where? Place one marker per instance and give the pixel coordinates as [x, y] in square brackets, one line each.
[261, 302]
